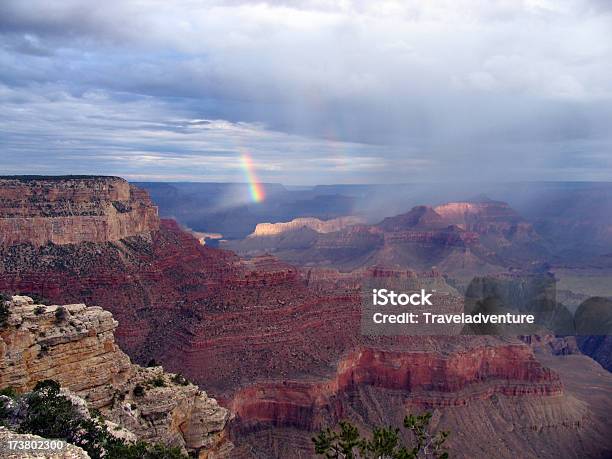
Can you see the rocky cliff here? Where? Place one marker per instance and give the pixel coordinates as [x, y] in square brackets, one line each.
[488, 217]
[487, 393]
[147, 281]
[74, 345]
[429, 379]
[39, 210]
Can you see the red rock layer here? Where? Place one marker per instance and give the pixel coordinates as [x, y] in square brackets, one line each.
[150, 283]
[223, 322]
[431, 380]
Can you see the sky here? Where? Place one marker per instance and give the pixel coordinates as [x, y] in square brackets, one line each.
[314, 91]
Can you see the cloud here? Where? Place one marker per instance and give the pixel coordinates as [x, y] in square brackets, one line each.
[144, 138]
[398, 88]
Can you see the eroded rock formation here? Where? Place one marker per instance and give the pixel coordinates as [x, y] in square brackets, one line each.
[320, 226]
[39, 210]
[487, 217]
[429, 379]
[74, 345]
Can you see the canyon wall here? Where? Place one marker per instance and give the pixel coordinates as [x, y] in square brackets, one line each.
[488, 217]
[146, 281]
[74, 345]
[486, 393]
[72, 210]
[429, 379]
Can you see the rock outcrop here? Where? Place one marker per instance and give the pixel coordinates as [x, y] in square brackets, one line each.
[486, 396]
[74, 345]
[320, 226]
[487, 217]
[69, 210]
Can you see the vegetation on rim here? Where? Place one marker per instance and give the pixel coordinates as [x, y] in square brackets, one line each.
[385, 441]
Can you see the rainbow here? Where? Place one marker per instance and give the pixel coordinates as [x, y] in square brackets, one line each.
[255, 187]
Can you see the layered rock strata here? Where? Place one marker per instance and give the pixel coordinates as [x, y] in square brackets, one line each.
[488, 218]
[74, 345]
[467, 238]
[429, 379]
[40, 210]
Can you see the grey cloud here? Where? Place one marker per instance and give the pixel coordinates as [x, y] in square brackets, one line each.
[144, 138]
[437, 87]
[27, 44]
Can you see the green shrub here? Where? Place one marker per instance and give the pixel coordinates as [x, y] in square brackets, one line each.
[4, 414]
[40, 310]
[9, 392]
[142, 450]
[385, 441]
[49, 414]
[4, 411]
[4, 310]
[180, 379]
[52, 415]
[138, 391]
[158, 381]
[61, 314]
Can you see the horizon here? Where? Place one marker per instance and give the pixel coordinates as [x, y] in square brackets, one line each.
[246, 183]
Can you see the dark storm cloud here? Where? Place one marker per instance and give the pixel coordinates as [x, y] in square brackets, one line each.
[351, 91]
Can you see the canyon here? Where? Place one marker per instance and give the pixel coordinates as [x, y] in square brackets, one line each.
[280, 345]
[574, 219]
[463, 238]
